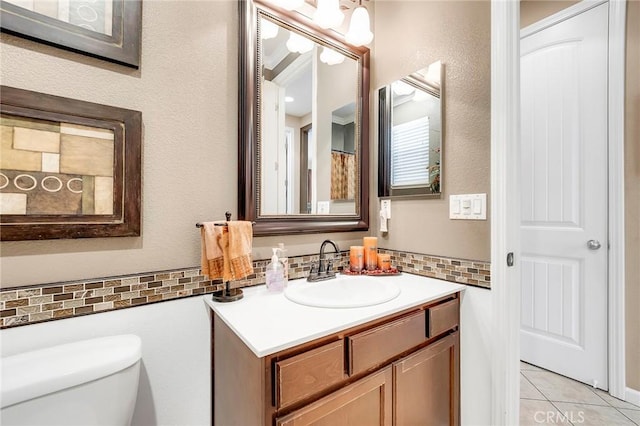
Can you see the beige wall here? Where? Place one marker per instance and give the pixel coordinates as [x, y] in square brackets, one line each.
[632, 195]
[533, 11]
[186, 90]
[410, 37]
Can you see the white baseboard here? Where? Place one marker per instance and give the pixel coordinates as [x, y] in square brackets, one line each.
[632, 396]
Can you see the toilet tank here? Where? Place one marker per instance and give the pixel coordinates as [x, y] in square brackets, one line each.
[90, 382]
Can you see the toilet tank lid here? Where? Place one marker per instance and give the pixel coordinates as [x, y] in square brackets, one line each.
[33, 374]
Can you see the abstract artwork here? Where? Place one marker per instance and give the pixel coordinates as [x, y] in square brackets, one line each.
[68, 169]
[108, 29]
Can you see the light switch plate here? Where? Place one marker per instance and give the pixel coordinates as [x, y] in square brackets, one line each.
[385, 206]
[468, 206]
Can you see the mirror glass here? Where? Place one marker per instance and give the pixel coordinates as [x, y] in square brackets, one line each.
[410, 135]
[307, 154]
[303, 125]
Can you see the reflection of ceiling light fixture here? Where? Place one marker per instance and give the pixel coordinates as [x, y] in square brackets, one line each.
[288, 99]
[289, 4]
[359, 32]
[328, 14]
[268, 29]
[331, 57]
[299, 44]
[401, 88]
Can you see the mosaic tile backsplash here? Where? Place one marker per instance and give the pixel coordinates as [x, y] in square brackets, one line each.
[46, 302]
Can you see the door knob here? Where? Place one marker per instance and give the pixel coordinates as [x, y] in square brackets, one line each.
[593, 244]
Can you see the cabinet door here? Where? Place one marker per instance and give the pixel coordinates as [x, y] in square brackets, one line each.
[367, 402]
[427, 385]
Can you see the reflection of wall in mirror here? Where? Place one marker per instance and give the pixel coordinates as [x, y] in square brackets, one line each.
[335, 87]
[273, 197]
[420, 106]
[294, 124]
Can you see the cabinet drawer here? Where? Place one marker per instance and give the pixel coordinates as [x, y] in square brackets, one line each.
[443, 317]
[372, 347]
[307, 373]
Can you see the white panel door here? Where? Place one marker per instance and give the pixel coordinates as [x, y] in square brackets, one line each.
[564, 197]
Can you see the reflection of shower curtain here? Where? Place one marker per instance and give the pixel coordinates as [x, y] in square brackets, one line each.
[343, 176]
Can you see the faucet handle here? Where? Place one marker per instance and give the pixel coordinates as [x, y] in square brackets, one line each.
[329, 266]
[314, 269]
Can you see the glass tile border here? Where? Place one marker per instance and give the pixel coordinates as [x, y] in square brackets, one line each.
[46, 302]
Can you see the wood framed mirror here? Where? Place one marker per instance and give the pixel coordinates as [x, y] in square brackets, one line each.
[303, 125]
[410, 137]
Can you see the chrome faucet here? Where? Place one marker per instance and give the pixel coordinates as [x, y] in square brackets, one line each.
[325, 268]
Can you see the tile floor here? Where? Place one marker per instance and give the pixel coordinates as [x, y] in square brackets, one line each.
[547, 398]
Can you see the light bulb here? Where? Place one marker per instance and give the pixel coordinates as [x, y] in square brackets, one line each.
[359, 32]
[299, 44]
[331, 57]
[328, 14]
[268, 29]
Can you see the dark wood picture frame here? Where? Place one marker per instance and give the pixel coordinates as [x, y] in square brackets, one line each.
[122, 46]
[127, 161]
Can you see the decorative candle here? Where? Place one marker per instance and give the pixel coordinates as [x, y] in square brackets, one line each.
[356, 258]
[371, 253]
[384, 261]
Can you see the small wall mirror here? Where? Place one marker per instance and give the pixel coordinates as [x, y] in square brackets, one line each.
[410, 135]
[303, 121]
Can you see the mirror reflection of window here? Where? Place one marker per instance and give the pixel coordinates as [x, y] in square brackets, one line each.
[410, 115]
[415, 162]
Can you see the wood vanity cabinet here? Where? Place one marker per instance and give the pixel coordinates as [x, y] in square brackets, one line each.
[400, 370]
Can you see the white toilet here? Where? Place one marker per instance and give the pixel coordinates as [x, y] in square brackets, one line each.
[91, 382]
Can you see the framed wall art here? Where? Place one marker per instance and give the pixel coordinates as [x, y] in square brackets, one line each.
[68, 168]
[107, 29]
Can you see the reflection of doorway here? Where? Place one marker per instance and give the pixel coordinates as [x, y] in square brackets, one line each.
[289, 161]
[306, 171]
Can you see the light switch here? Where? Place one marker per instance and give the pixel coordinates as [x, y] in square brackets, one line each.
[385, 206]
[468, 206]
[323, 207]
[477, 206]
[455, 206]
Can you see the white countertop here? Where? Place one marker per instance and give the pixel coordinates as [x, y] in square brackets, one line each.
[269, 322]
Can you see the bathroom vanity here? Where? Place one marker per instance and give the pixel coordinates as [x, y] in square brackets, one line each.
[276, 362]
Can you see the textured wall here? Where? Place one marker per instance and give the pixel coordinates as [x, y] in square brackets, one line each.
[410, 37]
[186, 90]
[533, 11]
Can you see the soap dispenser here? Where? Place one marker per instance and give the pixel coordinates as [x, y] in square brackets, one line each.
[274, 274]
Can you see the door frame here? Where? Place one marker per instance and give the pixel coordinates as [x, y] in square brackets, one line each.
[505, 203]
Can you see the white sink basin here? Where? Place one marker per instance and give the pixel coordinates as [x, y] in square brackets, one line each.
[343, 292]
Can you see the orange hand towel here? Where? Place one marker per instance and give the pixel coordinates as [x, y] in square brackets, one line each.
[238, 253]
[212, 259]
[226, 250]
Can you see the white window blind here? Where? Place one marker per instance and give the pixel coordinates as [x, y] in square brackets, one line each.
[410, 154]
